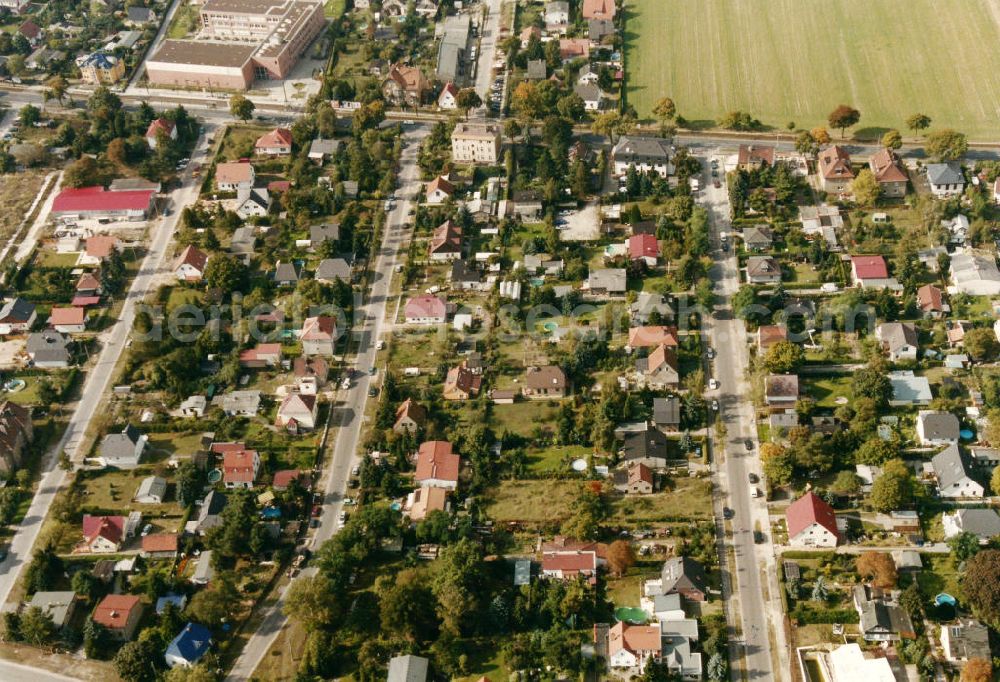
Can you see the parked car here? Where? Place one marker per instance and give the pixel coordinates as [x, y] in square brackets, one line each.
[753, 477]
[748, 444]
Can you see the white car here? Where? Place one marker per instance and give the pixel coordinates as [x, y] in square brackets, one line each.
[713, 384]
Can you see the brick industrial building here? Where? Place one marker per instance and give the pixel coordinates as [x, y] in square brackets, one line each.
[240, 41]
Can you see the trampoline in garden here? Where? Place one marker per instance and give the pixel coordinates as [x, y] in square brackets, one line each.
[631, 614]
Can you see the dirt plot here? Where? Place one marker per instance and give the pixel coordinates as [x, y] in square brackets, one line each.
[17, 191]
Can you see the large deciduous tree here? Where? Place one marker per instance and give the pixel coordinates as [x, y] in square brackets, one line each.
[981, 585]
[946, 144]
[865, 188]
[240, 107]
[621, 556]
[918, 122]
[843, 117]
[894, 488]
[878, 568]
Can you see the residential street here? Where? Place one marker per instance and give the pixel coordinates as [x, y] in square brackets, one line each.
[349, 411]
[15, 672]
[758, 615]
[98, 378]
[487, 48]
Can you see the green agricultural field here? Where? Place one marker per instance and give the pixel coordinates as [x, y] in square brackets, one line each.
[788, 60]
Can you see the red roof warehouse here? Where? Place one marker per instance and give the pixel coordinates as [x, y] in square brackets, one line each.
[97, 202]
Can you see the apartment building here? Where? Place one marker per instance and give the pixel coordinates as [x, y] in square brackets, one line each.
[475, 143]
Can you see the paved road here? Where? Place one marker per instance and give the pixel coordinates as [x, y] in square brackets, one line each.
[487, 48]
[98, 378]
[348, 413]
[15, 672]
[756, 612]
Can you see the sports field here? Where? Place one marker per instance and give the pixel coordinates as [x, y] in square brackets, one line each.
[795, 60]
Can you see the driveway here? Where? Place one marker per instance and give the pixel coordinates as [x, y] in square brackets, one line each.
[583, 225]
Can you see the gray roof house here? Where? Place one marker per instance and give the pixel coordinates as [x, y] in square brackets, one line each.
[952, 473]
[757, 238]
[152, 490]
[591, 95]
[203, 571]
[239, 403]
[763, 270]
[945, 179]
[327, 232]
[684, 576]
[330, 269]
[667, 413]
[937, 428]
[408, 668]
[899, 340]
[983, 523]
[140, 16]
[881, 620]
[286, 274]
[648, 447]
[965, 640]
[59, 605]
[16, 315]
[909, 389]
[123, 450]
[209, 511]
[243, 240]
[607, 281]
[320, 149]
[48, 349]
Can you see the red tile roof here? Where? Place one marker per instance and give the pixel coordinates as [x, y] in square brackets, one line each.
[598, 9]
[109, 527]
[436, 460]
[647, 337]
[570, 562]
[114, 610]
[60, 316]
[929, 298]
[160, 124]
[193, 257]
[643, 246]
[29, 30]
[870, 267]
[160, 542]
[283, 479]
[884, 165]
[238, 466]
[807, 510]
[835, 163]
[101, 245]
[91, 199]
[279, 137]
[423, 307]
[322, 328]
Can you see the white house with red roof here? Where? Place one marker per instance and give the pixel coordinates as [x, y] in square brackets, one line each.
[156, 128]
[569, 565]
[240, 466]
[437, 465]
[633, 646]
[277, 142]
[261, 355]
[319, 335]
[190, 265]
[448, 99]
[871, 272]
[71, 320]
[811, 522]
[103, 534]
[297, 412]
[643, 247]
[425, 310]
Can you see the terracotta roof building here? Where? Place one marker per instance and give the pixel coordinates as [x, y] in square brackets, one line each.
[437, 465]
[119, 614]
[835, 172]
[811, 522]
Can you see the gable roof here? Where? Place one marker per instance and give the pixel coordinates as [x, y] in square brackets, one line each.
[193, 257]
[643, 246]
[884, 165]
[939, 425]
[755, 154]
[420, 307]
[896, 335]
[929, 298]
[598, 9]
[436, 460]
[412, 410]
[159, 125]
[835, 163]
[114, 610]
[549, 376]
[320, 328]
[870, 267]
[111, 528]
[279, 137]
[945, 174]
[17, 310]
[680, 574]
[641, 444]
[807, 510]
[160, 542]
[636, 639]
[667, 410]
[949, 466]
[234, 173]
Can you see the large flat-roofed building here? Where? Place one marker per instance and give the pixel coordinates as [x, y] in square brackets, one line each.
[240, 41]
